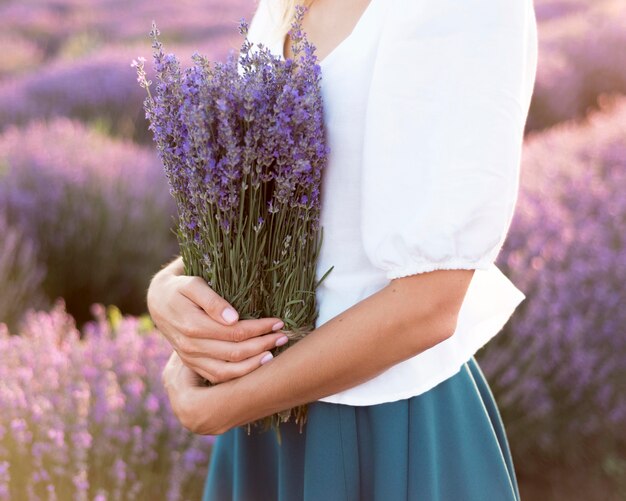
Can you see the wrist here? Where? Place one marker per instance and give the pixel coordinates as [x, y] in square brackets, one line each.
[215, 409]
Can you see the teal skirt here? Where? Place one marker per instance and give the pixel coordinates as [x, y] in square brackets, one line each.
[447, 444]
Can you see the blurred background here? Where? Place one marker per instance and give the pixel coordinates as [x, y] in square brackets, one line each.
[86, 219]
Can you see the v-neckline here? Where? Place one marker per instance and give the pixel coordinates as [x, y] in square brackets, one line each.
[328, 56]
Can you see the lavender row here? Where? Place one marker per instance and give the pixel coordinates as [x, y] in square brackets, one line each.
[58, 27]
[85, 416]
[98, 87]
[21, 274]
[559, 370]
[98, 210]
[581, 56]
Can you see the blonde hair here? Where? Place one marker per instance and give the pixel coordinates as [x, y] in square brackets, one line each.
[287, 13]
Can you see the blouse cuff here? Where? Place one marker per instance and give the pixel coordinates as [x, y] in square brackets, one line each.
[453, 263]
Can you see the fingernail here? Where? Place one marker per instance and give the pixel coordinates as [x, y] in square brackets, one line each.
[229, 315]
[282, 340]
[278, 325]
[266, 358]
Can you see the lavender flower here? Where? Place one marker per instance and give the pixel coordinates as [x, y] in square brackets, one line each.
[21, 274]
[94, 88]
[20, 54]
[581, 57]
[243, 146]
[559, 371]
[68, 29]
[86, 180]
[84, 414]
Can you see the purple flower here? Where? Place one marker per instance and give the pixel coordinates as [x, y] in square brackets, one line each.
[83, 179]
[21, 272]
[53, 431]
[581, 57]
[243, 145]
[558, 372]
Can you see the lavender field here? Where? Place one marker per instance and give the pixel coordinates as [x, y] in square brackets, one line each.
[86, 219]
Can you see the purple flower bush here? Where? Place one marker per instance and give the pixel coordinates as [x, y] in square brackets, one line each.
[559, 371]
[554, 9]
[55, 24]
[85, 416]
[97, 87]
[19, 54]
[581, 56]
[99, 210]
[21, 274]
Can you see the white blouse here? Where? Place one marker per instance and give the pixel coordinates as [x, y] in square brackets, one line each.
[425, 104]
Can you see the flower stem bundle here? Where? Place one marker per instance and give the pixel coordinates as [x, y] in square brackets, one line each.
[243, 146]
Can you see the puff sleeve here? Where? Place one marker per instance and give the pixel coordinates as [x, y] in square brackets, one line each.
[444, 127]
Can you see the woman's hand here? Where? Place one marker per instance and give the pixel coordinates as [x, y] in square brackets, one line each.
[204, 329]
[188, 396]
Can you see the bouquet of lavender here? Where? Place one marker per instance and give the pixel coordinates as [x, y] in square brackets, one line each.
[243, 147]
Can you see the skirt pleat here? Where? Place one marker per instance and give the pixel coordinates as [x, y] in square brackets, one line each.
[448, 444]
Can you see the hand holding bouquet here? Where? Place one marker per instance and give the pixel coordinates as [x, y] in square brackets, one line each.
[243, 147]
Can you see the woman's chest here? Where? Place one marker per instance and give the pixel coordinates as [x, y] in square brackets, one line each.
[346, 69]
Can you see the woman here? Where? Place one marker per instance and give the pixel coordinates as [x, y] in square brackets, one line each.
[425, 107]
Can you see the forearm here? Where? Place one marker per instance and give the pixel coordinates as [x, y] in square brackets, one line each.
[382, 330]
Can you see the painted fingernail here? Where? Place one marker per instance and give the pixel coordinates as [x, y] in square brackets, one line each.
[278, 325]
[266, 358]
[282, 340]
[229, 314]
